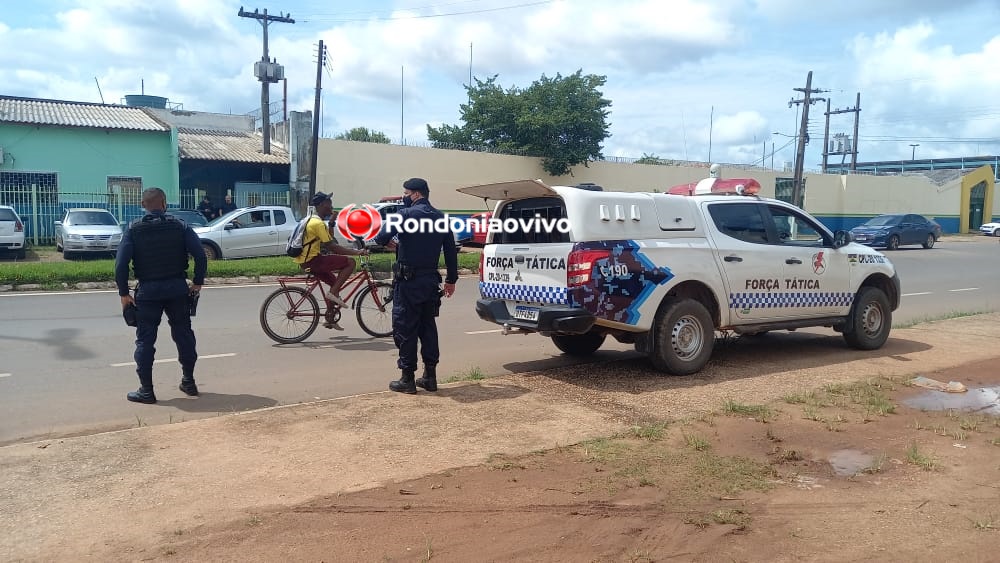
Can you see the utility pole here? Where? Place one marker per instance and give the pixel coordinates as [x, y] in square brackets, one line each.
[800, 153]
[852, 142]
[266, 71]
[314, 158]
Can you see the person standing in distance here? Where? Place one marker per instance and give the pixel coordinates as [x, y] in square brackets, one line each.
[157, 247]
[227, 206]
[416, 296]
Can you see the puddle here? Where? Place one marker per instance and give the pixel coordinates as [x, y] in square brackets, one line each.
[984, 400]
[850, 462]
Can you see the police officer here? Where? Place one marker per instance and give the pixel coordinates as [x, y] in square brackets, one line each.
[158, 246]
[417, 293]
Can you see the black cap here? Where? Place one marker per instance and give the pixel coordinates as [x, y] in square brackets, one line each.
[319, 198]
[417, 185]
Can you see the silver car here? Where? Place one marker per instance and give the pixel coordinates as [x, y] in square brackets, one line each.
[262, 230]
[88, 230]
[11, 231]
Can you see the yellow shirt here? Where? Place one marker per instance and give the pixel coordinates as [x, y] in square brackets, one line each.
[316, 234]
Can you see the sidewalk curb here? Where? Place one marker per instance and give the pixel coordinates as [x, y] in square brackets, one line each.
[239, 280]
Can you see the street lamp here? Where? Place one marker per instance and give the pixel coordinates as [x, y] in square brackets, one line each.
[913, 153]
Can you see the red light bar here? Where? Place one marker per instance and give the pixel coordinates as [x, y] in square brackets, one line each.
[738, 186]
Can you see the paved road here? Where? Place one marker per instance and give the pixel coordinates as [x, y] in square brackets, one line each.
[66, 358]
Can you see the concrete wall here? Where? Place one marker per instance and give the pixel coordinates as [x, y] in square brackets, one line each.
[83, 158]
[363, 172]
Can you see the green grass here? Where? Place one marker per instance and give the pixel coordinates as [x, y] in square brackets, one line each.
[471, 374]
[760, 413]
[53, 274]
[696, 443]
[920, 459]
[650, 431]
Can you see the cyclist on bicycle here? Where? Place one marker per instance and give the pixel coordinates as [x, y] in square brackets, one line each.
[326, 259]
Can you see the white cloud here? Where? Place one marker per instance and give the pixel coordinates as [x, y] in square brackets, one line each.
[667, 64]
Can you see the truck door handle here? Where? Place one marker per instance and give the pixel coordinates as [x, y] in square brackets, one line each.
[519, 259]
[793, 261]
[733, 259]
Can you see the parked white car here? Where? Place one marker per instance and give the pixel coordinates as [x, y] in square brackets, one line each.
[990, 229]
[262, 230]
[88, 230]
[11, 231]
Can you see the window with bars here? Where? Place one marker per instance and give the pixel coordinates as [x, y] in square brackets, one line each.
[124, 190]
[16, 187]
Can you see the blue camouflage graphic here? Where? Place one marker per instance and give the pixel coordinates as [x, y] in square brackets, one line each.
[620, 283]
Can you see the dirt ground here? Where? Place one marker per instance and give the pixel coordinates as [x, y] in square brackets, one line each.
[821, 455]
[844, 473]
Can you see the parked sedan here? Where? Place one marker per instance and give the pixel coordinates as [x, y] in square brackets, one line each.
[990, 229]
[11, 231]
[88, 230]
[262, 230]
[893, 231]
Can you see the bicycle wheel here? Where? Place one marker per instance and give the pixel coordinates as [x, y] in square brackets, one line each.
[289, 315]
[374, 310]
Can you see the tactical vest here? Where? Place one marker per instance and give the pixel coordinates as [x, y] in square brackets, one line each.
[160, 251]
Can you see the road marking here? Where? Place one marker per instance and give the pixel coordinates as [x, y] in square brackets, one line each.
[965, 289]
[483, 331]
[921, 293]
[166, 360]
[5, 374]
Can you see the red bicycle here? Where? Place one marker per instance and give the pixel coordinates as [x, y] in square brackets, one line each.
[291, 313]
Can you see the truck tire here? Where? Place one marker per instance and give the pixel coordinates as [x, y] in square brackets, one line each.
[871, 320]
[683, 338]
[578, 344]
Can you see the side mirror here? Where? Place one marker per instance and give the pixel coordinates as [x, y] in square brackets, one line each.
[58, 223]
[230, 226]
[842, 238]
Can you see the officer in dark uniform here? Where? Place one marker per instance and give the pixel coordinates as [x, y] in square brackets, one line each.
[158, 246]
[417, 292]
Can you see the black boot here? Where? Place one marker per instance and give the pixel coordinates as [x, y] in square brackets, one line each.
[142, 395]
[429, 381]
[188, 386]
[405, 383]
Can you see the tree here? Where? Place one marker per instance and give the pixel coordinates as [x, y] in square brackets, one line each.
[363, 135]
[563, 120]
[650, 159]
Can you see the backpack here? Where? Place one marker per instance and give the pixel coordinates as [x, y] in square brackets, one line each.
[294, 246]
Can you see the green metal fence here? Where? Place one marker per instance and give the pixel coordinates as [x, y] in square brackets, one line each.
[40, 206]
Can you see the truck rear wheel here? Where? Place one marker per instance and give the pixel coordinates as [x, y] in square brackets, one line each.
[683, 338]
[578, 344]
[870, 321]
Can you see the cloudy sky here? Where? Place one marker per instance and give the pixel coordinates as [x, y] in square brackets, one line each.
[686, 78]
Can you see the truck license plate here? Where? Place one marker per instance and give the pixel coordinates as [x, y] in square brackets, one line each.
[526, 313]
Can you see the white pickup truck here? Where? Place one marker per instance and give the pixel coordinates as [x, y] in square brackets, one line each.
[665, 271]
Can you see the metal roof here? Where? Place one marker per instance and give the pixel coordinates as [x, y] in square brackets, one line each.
[32, 111]
[233, 146]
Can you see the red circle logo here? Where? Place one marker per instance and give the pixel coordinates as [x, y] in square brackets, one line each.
[362, 222]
